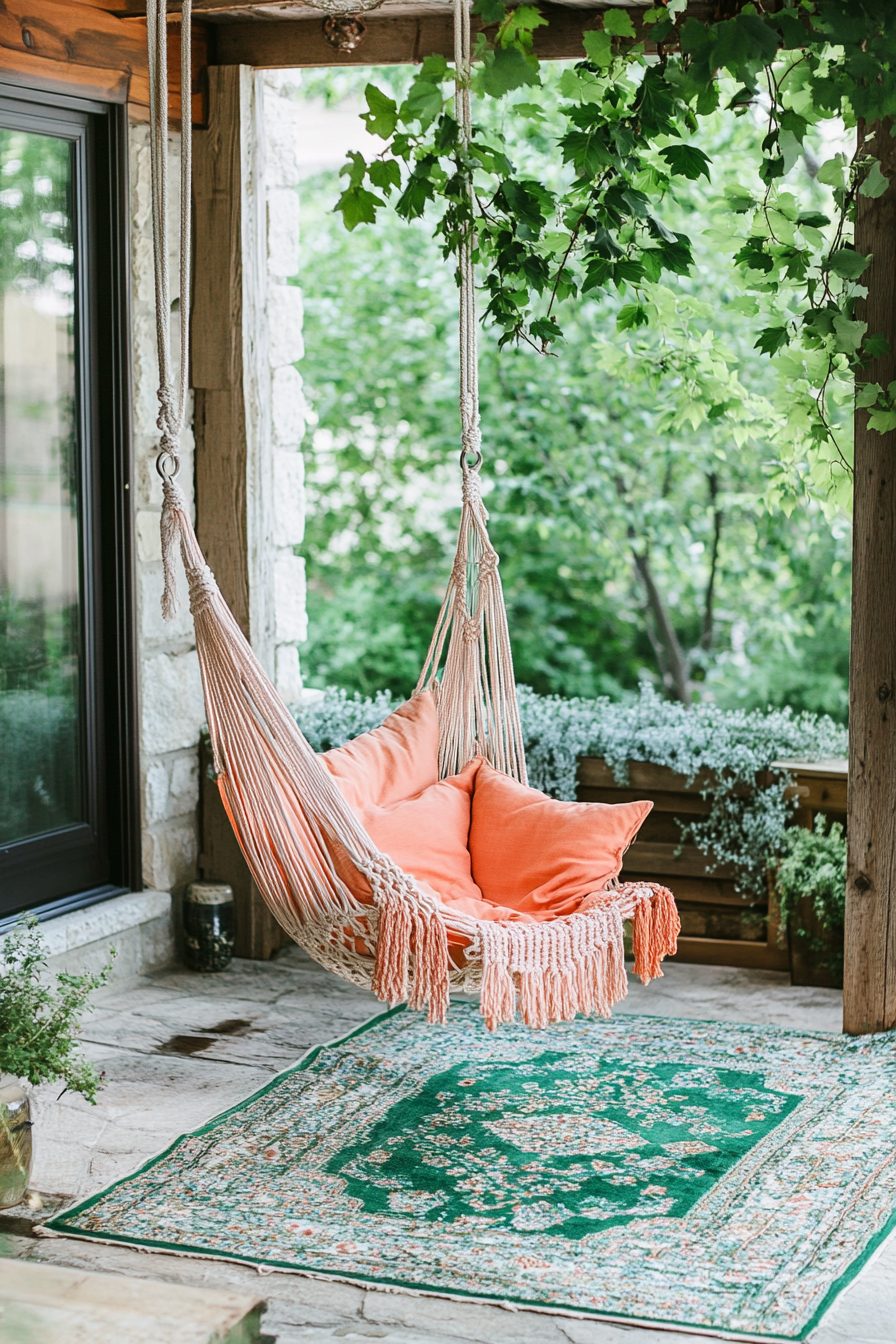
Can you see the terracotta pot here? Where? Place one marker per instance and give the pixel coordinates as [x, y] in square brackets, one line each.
[15, 1142]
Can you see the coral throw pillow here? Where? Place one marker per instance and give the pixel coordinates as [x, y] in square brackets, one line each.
[428, 836]
[540, 856]
[395, 761]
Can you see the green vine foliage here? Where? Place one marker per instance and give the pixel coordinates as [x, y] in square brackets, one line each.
[38, 1023]
[629, 114]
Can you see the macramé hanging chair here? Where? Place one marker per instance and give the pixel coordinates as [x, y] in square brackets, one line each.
[303, 842]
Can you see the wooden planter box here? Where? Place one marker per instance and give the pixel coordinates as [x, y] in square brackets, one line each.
[719, 928]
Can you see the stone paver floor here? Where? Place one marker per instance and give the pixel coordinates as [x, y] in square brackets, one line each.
[178, 1048]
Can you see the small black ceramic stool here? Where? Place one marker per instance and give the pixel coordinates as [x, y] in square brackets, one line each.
[208, 926]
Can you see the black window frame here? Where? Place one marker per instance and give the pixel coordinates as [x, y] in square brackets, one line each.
[83, 864]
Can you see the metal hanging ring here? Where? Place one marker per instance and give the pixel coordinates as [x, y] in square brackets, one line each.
[167, 473]
[470, 466]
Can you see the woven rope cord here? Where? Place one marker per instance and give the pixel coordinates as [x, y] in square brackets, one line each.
[478, 711]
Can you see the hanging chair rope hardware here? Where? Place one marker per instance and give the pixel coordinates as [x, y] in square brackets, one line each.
[305, 846]
[345, 31]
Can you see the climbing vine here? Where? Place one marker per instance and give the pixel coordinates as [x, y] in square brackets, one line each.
[629, 112]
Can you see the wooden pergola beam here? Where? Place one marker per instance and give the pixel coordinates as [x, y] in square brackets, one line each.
[395, 39]
[131, 8]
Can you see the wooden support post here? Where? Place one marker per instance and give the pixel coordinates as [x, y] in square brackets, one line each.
[231, 381]
[869, 986]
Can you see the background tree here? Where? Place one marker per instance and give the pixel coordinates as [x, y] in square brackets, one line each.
[643, 482]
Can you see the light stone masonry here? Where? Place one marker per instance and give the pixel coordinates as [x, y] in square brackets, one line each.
[288, 408]
[171, 707]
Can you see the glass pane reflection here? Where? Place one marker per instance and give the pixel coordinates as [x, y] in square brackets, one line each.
[40, 601]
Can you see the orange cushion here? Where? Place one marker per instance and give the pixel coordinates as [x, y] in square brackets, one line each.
[428, 836]
[395, 761]
[540, 856]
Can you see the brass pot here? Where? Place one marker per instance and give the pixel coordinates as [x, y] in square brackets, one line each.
[15, 1142]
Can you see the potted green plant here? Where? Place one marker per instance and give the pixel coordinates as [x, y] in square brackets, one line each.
[39, 1023]
[810, 882]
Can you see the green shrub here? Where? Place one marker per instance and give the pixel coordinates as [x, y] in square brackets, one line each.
[813, 864]
[39, 1024]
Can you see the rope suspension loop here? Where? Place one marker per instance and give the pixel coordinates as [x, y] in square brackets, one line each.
[173, 383]
[469, 346]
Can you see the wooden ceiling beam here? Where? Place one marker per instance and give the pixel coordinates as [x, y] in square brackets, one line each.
[400, 39]
[135, 8]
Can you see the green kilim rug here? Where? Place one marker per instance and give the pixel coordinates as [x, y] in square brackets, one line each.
[716, 1177]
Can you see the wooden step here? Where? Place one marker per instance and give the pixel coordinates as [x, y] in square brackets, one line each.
[48, 1304]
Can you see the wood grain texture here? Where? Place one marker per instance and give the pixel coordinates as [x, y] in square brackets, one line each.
[869, 988]
[231, 381]
[84, 81]
[69, 46]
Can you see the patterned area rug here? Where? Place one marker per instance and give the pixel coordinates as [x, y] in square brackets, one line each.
[716, 1177]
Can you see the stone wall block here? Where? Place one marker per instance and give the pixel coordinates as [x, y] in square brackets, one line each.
[282, 126]
[289, 599]
[285, 314]
[289, 408]
[283, 231]
[149, 541]
[173, 710]
[171, 787]
[154, 629]
[170, 855]
[289, 674]
[155, 793]
[289, 499]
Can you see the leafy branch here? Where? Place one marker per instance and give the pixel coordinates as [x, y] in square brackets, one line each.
[625, 140]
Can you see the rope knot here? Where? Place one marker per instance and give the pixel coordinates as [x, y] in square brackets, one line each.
[202, 586]
[472, 629]
[488, 564]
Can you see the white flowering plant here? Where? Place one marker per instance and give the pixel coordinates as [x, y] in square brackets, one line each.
[730, 751]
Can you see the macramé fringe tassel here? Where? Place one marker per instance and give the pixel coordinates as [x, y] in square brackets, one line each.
[655, 931]
[550, 972]
[173, 502]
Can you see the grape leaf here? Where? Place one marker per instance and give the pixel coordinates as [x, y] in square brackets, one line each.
[847, 263]
[382, 118]
[771, 340]
[505, 69]
[632, 315]
[876, 346]
[598, 46]
[358, 206]
[617, 22]
[385, 174]
[875, 184]
[687, 161]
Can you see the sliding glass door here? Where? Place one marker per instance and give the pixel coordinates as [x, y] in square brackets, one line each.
[61, 462]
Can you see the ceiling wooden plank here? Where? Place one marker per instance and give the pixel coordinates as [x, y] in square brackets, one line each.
[84, 81]
[69, 45]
